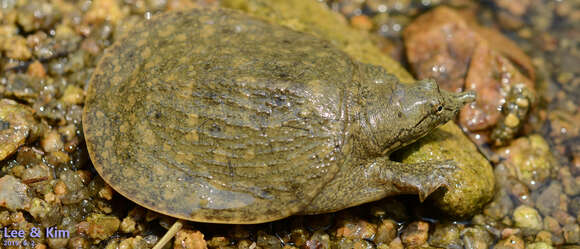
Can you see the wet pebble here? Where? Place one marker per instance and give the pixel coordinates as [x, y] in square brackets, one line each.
[17, 125]
[136, 242]
[189, 239]
[345, 243]
[570, 183]
[34, 15]
[386, 231]
[415, 234]
[512, 242]
[100, 226]
[16, 48]
[356, 229]
[529, 159]
[266, 240]
[549, 199]
[36, 69]
[51, 141]
[13, 193]
[57, 243]
[476, 238]
[572, 233]
[574, 206]
[527, 217]
[501, 205]
[299, 236]
[73, 95]
[218, 241]
[446, 235]
[539, 245]
[318, 240]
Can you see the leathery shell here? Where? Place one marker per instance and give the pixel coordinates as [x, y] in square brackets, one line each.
[214, 116]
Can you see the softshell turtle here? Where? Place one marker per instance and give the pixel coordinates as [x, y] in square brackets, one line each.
[215, 116]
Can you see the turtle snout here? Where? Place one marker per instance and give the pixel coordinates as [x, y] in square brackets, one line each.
[466, 97]
[458, 100]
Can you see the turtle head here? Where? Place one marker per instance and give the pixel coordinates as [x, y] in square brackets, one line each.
[403, 113]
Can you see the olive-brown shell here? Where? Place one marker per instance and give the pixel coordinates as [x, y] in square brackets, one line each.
[214, 116]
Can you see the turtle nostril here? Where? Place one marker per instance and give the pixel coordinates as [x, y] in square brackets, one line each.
[465, 97]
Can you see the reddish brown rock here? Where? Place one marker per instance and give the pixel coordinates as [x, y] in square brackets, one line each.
[491, 76]
[439, 45]
[461, 55]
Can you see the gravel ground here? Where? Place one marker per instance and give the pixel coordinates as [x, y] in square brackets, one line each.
[48, 50]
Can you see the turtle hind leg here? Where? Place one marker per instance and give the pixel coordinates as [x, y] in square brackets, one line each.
[361, 181]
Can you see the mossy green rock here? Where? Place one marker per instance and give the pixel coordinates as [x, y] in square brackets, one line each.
[473, 185]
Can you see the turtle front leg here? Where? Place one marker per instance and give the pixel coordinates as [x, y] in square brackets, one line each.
[362, 181]
[414, 178]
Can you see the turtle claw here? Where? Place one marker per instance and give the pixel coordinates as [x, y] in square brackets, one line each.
[419, 178]
[437, 178]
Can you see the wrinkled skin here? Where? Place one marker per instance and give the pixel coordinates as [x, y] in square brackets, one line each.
[213, 116]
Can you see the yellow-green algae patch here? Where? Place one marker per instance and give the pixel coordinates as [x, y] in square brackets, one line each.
[473, 185]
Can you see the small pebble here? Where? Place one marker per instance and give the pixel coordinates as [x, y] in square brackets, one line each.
[415, 234]
[106, 193]
[73, 95]
[266, 240]
[136, 242]
[396, 244]
[527, 217]
[16, 48]
[446, 235]
[13, 193]
[361, 22]
[386, 231]
[299, 236]
[552, 225]
[512, 120]
[36, 69]
[572, 233]
[563, 217]
[539, 245]
[512, 242]
[51, 141]
[101, 227]
[545, 237]
[476, 238]
[218, 241]
[548, 200]
[60, 188]
[40, 246]
[189, 239]
[128, 225]
[57, 243]
[78, 242]
[356, 229]
[319, 239]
